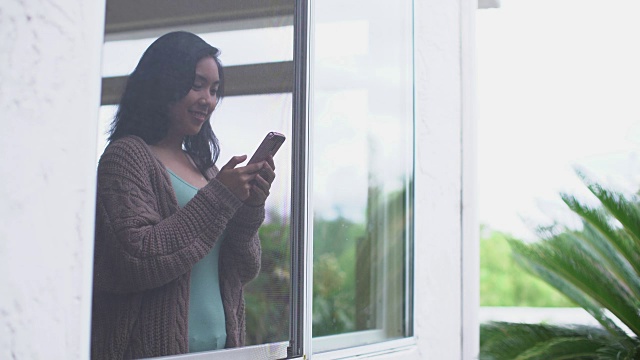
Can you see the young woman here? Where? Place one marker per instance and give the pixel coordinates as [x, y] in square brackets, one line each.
[176, 238]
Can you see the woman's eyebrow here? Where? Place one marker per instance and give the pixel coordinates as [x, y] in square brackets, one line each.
[204, 78]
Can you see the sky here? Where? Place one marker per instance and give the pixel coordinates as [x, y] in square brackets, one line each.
[558, 85]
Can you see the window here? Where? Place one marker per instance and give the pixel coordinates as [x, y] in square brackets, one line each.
[362, 169]
[345, 175]
[256, 43]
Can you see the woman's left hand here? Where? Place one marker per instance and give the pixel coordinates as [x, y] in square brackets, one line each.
[262, 183]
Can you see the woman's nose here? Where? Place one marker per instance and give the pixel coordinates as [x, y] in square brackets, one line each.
[209, 100]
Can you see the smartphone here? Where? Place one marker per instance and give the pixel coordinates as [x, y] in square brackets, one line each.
[269, 146]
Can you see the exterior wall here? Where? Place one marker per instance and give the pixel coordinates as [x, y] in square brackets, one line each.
[470, 256]
[442, 110]
[49, 96]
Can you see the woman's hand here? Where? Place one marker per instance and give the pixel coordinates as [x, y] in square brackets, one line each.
[262, 183]
[249, 183]
[238, 180]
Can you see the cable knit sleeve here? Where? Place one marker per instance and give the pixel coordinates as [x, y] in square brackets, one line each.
[143, 240]
[241, 251]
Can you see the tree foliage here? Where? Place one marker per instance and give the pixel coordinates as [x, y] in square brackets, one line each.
[267, 296]
[504, 283]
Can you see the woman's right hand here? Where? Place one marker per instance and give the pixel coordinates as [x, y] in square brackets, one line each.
[238, 180]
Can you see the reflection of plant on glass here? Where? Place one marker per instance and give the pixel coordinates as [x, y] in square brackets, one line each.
[267, 296]
[334, 275]
[354, 262]
[342, 275]
[598, 268]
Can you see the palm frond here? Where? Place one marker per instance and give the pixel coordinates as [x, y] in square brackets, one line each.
[563, 348]
[625, 211]
[614, 350]
[566, 265]
[616, 248]
[502, 341]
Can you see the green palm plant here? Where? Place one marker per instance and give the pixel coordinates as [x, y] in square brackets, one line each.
[598, 268]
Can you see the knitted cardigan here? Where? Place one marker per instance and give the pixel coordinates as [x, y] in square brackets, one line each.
[145, 247]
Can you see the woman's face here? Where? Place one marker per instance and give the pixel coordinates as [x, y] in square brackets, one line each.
[187, 115]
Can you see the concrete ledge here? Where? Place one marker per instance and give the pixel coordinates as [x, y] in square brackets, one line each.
[488, 4]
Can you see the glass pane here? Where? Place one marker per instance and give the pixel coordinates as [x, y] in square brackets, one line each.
[362, 131]
[240, 123]
[107, 113]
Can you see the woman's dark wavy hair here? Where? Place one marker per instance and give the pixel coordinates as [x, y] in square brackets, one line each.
[164, 75]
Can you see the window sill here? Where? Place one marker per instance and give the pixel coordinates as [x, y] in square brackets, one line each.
[373, 350]
[264, 352]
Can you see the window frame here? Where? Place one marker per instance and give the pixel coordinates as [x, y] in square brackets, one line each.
[301, 221]
[290, 77]
[324, 347]
[301, 342]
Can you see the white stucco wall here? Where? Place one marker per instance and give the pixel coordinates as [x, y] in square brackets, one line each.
[438, 179]
[49, 96]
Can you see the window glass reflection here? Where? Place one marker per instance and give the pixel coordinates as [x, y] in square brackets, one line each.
[241, 123]
[244, 121]
[362, 172]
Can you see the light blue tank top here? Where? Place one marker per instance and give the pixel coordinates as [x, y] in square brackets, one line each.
[207, 329]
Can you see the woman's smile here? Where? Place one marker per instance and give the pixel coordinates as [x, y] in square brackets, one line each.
[200, 115]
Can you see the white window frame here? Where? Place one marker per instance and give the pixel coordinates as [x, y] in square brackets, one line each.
[315, 347]
[374, 341]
